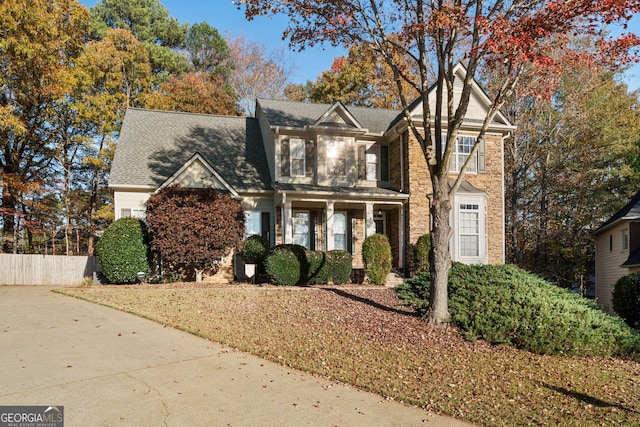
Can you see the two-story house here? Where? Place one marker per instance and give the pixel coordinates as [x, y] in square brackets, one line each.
[617, 251]
[322, 176]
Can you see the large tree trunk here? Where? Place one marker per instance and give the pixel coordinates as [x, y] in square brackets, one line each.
[8, 220]
[440, 262]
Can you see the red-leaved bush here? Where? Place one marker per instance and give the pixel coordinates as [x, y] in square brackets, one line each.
[194, 227]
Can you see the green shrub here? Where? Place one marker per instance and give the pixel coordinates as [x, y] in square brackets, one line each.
[376, 252]
[254, 249]
[287, 265]
[626, 298]
[330, 267]
[506, 305]
[294, 265]
[421, 254]
[339, 263]
[123, 250]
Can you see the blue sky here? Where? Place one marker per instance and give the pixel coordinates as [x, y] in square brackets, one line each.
[226, 17]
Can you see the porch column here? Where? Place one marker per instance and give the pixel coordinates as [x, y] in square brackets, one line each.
[370, 225]
[401, 238]
[329, 241]
[287, 225]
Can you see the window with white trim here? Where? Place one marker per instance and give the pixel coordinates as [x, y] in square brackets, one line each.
[336, 158]
[340, 230]
[461, 150]
[373, 162]
[469, 226]
[252, 223]
[625, 239]
[469, 240]
[297, 156]
[139, 213]
[301, 228]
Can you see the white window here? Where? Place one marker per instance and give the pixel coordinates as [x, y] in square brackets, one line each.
[625, 239]
[373, 163]
[252, 223]
[469, 239]
[461, 150]
[297, 153]
[469, 223]
[336, 158]
[340, 231]
[139, 213]
[301, 228]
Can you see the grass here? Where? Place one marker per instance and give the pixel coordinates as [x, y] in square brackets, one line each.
[363, 337]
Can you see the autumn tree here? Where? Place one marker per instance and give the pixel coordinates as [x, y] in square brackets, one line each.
[39, 42]
[515, 36]
[568, 168]
[258, 72]
[194, 227]
[359, 79]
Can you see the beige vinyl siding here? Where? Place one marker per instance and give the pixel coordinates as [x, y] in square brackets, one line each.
[608, 264]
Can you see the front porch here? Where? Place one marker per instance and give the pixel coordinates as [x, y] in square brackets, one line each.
[321, 218]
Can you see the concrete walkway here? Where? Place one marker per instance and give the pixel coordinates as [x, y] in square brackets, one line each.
[109, 368]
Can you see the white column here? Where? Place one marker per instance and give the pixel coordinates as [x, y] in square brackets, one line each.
[403, 241]
[329, 241]
[287, 225]
[370, 226]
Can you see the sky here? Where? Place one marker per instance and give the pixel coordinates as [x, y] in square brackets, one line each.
[309, 63]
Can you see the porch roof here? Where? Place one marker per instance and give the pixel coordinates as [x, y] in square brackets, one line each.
[361, 193]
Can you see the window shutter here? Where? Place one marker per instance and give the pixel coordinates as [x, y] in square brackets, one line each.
[384, 163]
[482, 168]
[285, 167]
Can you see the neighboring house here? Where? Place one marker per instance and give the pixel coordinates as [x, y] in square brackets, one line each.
[322, 176]
[617, 250]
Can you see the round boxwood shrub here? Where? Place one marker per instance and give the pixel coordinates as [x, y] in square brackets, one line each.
[421, 254]
[123, 250]
[254, 249]
[376, 252]
[626, 298]
[287, 265]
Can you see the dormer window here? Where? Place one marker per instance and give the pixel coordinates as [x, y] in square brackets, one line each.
[296, 157]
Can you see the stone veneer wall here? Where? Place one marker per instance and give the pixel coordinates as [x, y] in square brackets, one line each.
[419, 186]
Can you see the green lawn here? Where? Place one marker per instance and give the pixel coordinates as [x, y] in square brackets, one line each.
[363, 337]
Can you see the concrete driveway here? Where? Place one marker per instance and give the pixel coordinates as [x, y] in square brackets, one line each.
[109, 368]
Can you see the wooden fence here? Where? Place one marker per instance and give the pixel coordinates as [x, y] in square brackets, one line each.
[51, 270]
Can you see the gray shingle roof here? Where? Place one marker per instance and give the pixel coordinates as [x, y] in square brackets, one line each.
[630, 211]
[155, 144]
[301, 114]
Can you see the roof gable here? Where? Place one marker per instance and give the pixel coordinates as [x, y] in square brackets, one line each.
[479, 102]
[338, 116]
[630, 211]
[198, 173]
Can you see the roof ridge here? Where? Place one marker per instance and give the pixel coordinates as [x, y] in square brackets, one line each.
[187, 113]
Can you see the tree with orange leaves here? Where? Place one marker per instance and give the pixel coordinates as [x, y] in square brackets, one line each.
[515, 37]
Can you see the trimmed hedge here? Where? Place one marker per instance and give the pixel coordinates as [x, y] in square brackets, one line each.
[506, 305]
[376, 252]
[330, 267]
[123, 250]
[254, 249]
[294, 265]
[421, 254]
[626, 298]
